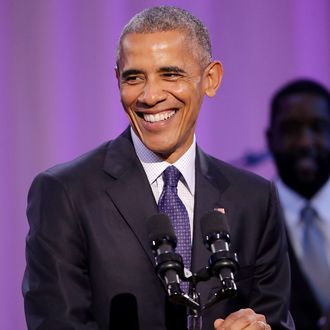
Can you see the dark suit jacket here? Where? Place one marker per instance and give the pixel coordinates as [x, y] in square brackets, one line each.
[89, 264]
[304, 306]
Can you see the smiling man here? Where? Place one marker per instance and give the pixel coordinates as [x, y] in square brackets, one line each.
[163, 78]
[162, 87]
[299, 139]
[89, 263]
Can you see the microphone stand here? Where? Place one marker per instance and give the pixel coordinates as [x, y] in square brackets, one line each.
[224, 260]
[169, 267]
[194, 315]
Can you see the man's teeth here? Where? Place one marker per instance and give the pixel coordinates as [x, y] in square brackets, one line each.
[152, 118]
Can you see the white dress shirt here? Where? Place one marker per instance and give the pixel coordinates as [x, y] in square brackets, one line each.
[292, 204]
[154, 167]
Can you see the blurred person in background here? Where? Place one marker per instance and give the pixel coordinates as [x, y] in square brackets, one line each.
[298, 138]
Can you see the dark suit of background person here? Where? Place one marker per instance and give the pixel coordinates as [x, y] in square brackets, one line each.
[299, 139]
[89, 263]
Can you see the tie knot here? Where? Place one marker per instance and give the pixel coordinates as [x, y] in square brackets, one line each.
[308, 214]
[171, 176]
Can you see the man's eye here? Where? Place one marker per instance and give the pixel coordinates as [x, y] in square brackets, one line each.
[290, 128]
[171, 75]
[132, 79]
[321, 126]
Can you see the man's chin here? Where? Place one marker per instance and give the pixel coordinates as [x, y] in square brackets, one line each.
[306, 180]
[305, 183]
[163, 151]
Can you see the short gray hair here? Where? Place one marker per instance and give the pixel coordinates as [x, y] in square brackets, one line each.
[168, 18]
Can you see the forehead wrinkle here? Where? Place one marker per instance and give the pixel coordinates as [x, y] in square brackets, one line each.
[182, 39]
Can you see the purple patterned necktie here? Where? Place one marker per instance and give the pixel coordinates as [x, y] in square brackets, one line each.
[170, 204]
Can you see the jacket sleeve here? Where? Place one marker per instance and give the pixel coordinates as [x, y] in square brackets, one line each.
[56, 286]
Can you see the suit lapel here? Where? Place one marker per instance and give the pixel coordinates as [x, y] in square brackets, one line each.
[210, 188]
[210, 185]
[300, 284]
[130, 190]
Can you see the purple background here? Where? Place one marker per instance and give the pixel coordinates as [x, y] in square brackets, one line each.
[59, 98]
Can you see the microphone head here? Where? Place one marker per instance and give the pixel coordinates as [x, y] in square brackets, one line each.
[214, 225]
[160, 229]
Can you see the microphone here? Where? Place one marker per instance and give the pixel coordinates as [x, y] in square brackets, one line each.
[169, 265]
[223, 263]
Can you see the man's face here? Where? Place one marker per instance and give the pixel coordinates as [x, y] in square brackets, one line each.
[300, 142]
[162, 85]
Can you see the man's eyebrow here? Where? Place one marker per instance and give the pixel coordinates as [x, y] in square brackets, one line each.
[171, 69]
[130, 72]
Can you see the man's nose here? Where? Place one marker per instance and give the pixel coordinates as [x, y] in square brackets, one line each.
[152, 93]
[306, 137]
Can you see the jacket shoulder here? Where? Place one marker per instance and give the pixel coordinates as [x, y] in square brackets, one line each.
[79, 172]
[85, 163]
[237, 176]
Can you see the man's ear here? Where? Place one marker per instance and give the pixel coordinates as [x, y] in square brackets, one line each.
[269, 138]
[213, 77]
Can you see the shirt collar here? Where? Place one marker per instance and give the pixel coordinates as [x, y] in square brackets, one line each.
[293, 202]
[321, 202]
[154, 166]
